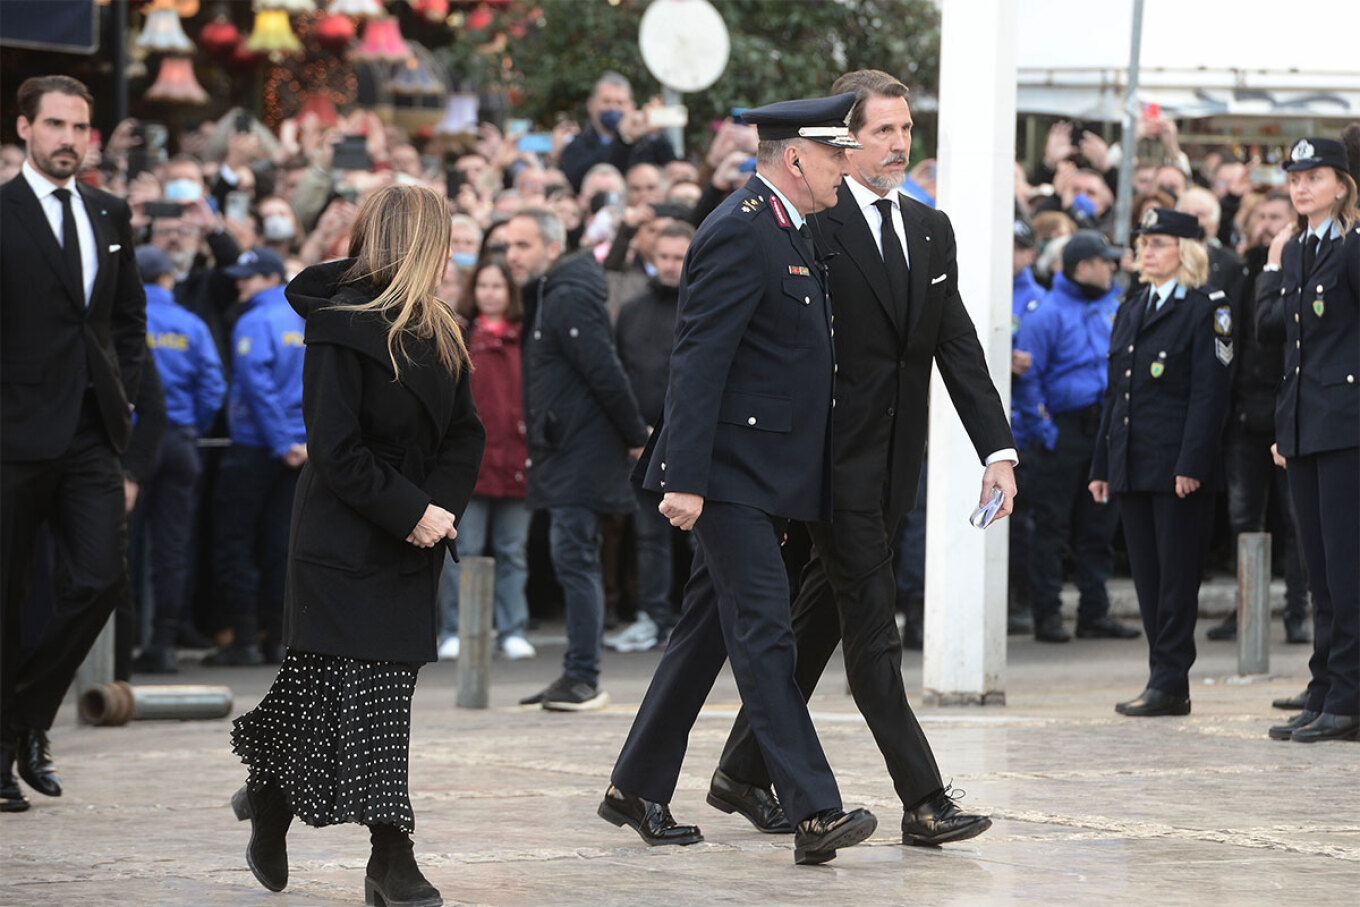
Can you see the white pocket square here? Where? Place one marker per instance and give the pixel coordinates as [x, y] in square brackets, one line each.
[115, 247]
[936, 280]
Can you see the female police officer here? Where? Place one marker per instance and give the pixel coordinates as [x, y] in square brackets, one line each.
[1158, 444]
[1311, 300]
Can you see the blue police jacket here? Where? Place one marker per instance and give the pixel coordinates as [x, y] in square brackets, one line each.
[265, 407]
[1068, 337]
[186, 361]
[1026, 292]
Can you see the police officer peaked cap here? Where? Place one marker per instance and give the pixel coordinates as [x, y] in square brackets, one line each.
[1309, 153]
[256, 261]
[821, 120]
[1170, 223]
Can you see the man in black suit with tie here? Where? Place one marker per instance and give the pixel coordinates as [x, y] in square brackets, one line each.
[898, 314]
[743, 447]
[72, 344]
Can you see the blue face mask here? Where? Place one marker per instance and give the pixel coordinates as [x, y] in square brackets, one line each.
[183, 190]
[1083, 204]
[463, 259]
[610, 120]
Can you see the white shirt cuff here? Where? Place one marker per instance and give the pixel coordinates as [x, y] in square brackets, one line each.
[1007, 453]
[228, 175]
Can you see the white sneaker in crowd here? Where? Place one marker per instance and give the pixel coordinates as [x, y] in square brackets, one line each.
[639, 636]
[448, 649]
[516, 647]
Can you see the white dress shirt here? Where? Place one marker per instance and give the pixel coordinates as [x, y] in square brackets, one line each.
[1163, 292]
[51, 205]
[865, 198]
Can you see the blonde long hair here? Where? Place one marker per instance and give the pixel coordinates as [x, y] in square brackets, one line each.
[1193, 269]
[400, 247]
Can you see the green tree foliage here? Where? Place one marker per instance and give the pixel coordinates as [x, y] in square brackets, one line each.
[780, 49]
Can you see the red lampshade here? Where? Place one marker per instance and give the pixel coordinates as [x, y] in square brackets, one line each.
[333, 32]
[219, 37]
[176, 83]
[382, 42]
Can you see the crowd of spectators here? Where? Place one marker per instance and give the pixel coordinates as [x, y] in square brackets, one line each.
[238, 209]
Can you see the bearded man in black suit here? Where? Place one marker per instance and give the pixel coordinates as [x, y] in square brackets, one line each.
[72, 344]
[894, 282]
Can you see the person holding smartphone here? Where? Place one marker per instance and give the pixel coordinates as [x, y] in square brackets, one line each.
[1158, 445]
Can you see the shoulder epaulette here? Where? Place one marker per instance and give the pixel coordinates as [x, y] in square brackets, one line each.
[1217, 294]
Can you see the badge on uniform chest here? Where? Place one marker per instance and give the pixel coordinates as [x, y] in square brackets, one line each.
[1319, 306]
[1158, 367]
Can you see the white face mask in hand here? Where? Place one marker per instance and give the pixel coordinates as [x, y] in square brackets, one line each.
[278, 227]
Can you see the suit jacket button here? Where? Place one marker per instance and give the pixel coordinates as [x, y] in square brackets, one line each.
[1296, 317]
[891, 411]
[751, 420]
[1128, 373]
[1130, 347]
[1126, 395]
[1296, 369]
[1350, 379]
[807, 300]
[1126, 420]
[663, 467]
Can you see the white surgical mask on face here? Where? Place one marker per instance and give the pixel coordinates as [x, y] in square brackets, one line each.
[183, 190]
[278, 227]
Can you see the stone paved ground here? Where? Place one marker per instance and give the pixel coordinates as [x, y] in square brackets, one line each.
[1089, 807]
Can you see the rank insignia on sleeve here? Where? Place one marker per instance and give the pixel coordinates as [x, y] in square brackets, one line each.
[1223, 321]
[799, 271]
[1319, 306]
[1223, 349]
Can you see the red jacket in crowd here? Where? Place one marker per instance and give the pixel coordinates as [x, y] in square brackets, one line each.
[496, 386]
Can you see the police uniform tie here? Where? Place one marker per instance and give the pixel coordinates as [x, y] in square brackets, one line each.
[70, 240]
[894, 259]
[806, 234]
[1310, 249]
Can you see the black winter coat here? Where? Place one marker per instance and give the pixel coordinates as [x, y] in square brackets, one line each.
[581, 415]
[379, 452]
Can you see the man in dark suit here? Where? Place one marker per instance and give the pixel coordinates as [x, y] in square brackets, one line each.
[744, 446]
[72, 343]
[899, 313]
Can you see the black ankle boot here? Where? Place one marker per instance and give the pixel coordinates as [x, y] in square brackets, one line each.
[267, 853]
[393, 878]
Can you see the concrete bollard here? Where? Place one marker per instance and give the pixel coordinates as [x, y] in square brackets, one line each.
[1253, 603]
[476, 589]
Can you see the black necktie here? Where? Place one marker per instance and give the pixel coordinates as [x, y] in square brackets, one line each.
[1151, 308]
[1310, 248]
[804, 232]
[70, 240]
[894, 259]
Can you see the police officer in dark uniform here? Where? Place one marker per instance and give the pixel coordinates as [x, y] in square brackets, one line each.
[744, 447]
[1315, 293]
[1157, 449]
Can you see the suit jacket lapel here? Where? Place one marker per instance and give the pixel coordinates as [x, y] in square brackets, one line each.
[918, 261]
[1157, 314]
[103, 238]
[1324, 252]
[34, 221]
[855, 240]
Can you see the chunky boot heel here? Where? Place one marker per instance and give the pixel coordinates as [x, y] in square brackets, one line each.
[267, 852]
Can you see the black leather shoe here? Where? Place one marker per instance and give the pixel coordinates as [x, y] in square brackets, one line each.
[156, 660]
[267, 852]
[1106, 628]
[939, 821]
[652, 821]
[1224, 631]
[1296, 630]
[1050, 629]
[1286, 731]
[1152, 703]
[1328, 726]
[34, 758]
[1292, 703]
[12, 799]
[234, 656]
[822, 834]
[757, 804]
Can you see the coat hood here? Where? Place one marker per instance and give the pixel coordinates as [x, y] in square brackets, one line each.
[316, 287]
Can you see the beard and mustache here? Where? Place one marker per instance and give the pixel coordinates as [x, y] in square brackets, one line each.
[886, 183]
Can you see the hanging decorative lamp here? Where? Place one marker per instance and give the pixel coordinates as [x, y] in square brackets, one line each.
[219, 37]
[359, 9]
[382, 42]
[162, 32]
[176, 83]
[272, 33]
[333, 32]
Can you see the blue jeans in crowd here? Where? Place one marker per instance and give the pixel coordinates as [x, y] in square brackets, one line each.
[574, 544]
[506, 522]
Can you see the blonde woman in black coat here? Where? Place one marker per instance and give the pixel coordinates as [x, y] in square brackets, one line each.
[394, 445]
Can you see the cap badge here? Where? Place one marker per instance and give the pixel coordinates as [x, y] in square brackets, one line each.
[1303, 150]
[1150, 219]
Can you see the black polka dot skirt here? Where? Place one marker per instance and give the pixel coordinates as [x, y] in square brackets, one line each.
[333, 733]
